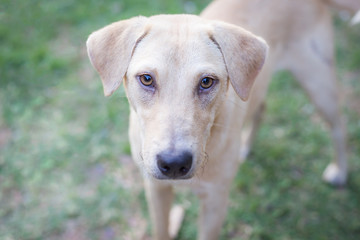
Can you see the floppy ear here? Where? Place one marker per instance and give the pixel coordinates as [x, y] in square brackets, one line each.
[110, 50]
[244, 55]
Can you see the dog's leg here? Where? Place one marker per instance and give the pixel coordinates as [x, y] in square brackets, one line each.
[159, 198]
[311, 61]
[255, 111]
[249, 132]
[213, 207]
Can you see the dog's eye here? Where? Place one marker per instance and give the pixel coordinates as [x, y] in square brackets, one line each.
[146, 80]
[206, 82]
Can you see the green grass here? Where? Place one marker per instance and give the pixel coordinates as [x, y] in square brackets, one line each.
[64, 170]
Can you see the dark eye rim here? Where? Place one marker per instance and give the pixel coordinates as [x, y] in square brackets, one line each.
[214, 81]
[207, 86]
[150, 84]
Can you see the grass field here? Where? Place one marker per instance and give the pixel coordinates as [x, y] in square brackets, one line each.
[65, 172]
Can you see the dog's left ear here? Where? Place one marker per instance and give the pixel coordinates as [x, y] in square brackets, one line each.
[110, 50]
[244, 55]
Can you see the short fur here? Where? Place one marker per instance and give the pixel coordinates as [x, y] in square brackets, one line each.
[175, 118]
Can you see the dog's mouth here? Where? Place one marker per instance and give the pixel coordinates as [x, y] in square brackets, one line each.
[163, 177]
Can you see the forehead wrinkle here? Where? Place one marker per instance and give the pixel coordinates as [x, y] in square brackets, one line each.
[179, 43]
[177, 51]
[191, 54]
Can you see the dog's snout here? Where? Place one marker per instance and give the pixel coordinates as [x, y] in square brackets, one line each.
[174, 165]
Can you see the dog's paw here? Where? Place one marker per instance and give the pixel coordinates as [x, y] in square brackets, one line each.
[244, 152]
[176, 218]
[335, 175]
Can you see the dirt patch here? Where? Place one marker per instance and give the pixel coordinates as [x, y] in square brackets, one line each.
[5, 136]
[74, 231]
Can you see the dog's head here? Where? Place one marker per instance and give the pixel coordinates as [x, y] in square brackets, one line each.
[176, 71]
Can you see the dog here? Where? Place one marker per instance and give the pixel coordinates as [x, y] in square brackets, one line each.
[196, 87]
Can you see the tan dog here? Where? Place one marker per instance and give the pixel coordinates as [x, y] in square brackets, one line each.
[194, 101]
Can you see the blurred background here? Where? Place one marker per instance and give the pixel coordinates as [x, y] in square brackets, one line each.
[65, 170]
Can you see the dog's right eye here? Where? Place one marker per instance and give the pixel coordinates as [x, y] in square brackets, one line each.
[206, 83]
[146, 80]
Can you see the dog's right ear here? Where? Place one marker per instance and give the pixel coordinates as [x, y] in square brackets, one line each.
[110, 50]
[244, 55]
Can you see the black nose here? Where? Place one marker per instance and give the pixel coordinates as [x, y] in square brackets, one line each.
[174, 165]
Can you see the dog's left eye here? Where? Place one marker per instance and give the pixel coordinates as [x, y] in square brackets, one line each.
[206, 82]
[146, 80]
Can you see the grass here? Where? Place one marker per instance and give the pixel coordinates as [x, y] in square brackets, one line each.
[64, 169]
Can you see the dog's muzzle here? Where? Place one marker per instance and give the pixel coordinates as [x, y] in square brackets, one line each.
[174, 164]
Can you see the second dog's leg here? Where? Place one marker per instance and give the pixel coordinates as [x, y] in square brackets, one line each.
[312, 64]
[320, 84]
[159, 198]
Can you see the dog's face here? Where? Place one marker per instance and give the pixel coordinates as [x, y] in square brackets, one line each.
[175, 82]
[176, 71]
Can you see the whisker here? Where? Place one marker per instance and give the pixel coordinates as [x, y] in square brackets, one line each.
[205, 159]
[141, 156]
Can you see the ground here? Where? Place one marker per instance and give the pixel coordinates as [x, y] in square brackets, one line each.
[65, 170]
